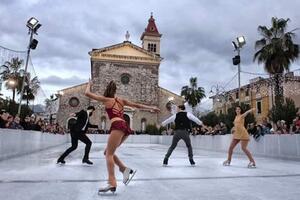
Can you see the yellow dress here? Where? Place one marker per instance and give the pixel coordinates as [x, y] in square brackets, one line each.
[240, 132]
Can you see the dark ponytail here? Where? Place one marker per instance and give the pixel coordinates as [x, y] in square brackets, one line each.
[110, 90]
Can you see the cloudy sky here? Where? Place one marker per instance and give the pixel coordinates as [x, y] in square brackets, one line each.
[196, 39]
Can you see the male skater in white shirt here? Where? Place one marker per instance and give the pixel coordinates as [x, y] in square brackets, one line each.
[182, 128]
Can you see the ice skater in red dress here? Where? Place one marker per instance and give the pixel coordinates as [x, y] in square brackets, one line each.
[119, 131]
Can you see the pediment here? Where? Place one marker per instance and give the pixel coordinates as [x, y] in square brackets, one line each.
[124, 51]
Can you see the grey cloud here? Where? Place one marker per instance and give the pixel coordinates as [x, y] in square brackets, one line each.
[196, 39]
[64, 82]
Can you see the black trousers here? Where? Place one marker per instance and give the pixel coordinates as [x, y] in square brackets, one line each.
[178, 135]
[75, 136]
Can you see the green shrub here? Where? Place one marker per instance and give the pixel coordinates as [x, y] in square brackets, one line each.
[151, 129]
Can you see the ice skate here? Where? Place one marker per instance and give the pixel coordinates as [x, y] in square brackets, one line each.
[165, 163]
[251, 165]
[226, 163]
[87, 161]
[192, 162]
[109, 189]
[60, 162]
[128, 174]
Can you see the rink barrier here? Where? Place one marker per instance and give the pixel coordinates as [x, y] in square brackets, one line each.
[275, 146]
[14, 143]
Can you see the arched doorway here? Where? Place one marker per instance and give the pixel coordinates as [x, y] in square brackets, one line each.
[103, 123]
[143, 125]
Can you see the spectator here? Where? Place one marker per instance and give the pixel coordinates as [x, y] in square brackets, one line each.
[297, 121]
[285, 128]
[3, 118]
[266, 123]
[16, 124]
[252, 129]
[9, 121]
[279, 127]
[217, 130]
[223, 128]
[33, 125]
[26, 123]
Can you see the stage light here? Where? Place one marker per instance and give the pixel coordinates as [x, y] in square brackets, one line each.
[241, 41]
[32, 23]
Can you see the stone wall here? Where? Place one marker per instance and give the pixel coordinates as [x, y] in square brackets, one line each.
[142, 88]
[291, 90]
[65, 109]
[163, 96]
[143, 80]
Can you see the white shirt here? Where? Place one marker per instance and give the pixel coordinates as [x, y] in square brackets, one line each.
[189, 115]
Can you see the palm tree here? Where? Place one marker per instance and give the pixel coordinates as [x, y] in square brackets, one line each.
[11, 73]
[276, 50]
[31, 88]
[192, 93]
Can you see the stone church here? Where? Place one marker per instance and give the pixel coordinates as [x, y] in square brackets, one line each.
[135, 70]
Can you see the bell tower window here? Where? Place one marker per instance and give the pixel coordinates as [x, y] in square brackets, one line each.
[152, 47]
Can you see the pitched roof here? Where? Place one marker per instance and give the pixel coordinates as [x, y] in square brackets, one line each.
[151, 29]
[125, 43]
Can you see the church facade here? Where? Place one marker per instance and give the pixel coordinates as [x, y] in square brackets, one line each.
[135, 70]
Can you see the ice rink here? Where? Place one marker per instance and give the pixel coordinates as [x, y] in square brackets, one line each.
[36, 176]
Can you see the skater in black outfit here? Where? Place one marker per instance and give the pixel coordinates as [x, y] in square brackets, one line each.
[78, 131]
[182, 127]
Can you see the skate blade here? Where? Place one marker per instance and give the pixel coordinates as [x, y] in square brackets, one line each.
[108, 193]
[132, 175]
[60, 164]
[86, 165]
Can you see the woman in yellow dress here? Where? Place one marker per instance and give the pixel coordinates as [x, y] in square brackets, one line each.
[240, 134]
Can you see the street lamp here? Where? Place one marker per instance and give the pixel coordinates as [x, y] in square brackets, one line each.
[12, 83]
[219, 93]
[33, 25]
[219, 90]
[240, 42]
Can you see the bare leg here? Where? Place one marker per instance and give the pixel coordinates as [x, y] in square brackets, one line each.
[233, 144]
[117, 161]
[244, 144]
[113, 142]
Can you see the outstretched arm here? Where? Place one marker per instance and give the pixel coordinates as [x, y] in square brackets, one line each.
[194, 119]
[247, 112]
[91, 95]
[169, 120]
[141, 106]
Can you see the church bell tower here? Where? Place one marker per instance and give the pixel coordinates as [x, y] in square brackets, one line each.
[151, 37]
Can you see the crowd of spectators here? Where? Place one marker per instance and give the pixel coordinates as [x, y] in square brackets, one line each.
[280, 127]
[218, 129]
[257, 130]
[28, 123]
